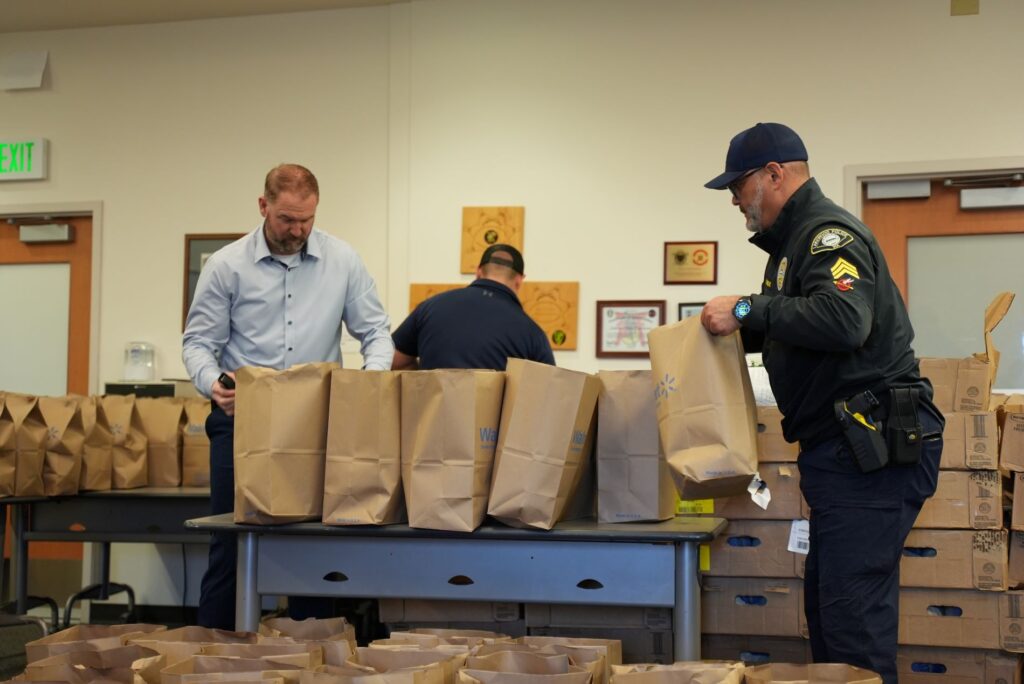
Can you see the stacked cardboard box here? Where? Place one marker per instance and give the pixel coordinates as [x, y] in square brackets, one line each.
[954, 572]
[752, 595]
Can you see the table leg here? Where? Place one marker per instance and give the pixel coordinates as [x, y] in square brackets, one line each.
[3, 541]
[19, 550]
[686, 612]
[247, 601]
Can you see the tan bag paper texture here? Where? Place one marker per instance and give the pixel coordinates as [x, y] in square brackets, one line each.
[195, 445]
[130, 466]
[161, 420]
[706, 414]
[65, 441]
[449, 432]
[363, 476]
[24, 454]
[544, 445]
[98, 452]
[633, 479]
[280, 442]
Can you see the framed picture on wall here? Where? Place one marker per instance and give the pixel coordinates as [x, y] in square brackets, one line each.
[622, 327]
[687, 309]
[198, 248]
[690, 263]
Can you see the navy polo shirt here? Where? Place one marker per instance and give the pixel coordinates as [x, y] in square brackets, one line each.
[479, 326]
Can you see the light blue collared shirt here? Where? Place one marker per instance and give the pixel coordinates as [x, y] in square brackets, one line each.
[250, 309]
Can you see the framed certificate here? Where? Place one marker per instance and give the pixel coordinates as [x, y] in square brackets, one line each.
[691, 263]
[622, 327]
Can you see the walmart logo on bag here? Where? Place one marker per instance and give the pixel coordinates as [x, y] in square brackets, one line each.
[578, 438]
[665, 386]
[488, 437]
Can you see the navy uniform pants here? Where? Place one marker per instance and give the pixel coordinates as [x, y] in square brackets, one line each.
[217, 592]
[859, 522]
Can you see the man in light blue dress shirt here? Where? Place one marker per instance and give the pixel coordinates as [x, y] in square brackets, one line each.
[275, 298]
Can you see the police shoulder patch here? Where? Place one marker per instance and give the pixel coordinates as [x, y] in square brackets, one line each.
[829, 239]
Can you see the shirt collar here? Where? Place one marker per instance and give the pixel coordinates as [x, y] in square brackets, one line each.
[495, 286]
[772, 239]
[262, 251]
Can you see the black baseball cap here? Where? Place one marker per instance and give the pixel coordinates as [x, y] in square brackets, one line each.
[756, 147]
[515, 263]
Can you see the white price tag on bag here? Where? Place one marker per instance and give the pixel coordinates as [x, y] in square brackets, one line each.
[800, 536]
[759, 492]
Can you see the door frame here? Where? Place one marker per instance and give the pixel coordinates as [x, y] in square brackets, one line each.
[95, 210]
[856, 175]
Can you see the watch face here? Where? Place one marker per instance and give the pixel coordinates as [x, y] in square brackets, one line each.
[741, 309]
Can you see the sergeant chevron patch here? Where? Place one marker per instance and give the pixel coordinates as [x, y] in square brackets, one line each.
[843, 267]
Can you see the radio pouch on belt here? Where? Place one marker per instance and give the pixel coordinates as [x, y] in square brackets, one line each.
[861, 432]
[903, 427]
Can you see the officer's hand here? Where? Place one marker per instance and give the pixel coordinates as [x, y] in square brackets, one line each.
[716, 316]
[224, 397]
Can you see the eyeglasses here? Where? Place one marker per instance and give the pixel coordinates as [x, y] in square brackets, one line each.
[737, 185]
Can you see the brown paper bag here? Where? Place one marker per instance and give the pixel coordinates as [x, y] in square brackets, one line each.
[201, 668]
[180, 644]
[27, 451]
[280, 441]
[633, 479]
[65, 433]
[431, 637]
[115, 664]
[312, 651]
[706, 415]
[393, 660]
[7, 457]
[326, 630]
[682, 672]
[130, 467]
[161, 420]
[511, 667]
[784, 673]
[195, 445]
[449, 431]
[363, 476]
[98, 452]
[353, 673]
[86, 638]
[544, 444]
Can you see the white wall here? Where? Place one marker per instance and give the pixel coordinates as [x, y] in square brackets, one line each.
[602, 117]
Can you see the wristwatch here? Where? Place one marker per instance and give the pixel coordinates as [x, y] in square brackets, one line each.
[742, 308]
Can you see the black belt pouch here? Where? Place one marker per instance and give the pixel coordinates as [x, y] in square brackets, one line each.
[903, 426]
[863, 435]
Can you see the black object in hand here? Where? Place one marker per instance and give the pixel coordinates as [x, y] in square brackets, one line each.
[226, 381]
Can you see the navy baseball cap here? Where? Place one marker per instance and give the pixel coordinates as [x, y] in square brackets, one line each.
[756, 147]
[492, 255]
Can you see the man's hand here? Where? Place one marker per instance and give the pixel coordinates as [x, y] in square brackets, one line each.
[224, 397]
[716, 316]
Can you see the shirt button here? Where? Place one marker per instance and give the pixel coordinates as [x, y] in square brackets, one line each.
[289, 322]
[289, 296]
[289, 348]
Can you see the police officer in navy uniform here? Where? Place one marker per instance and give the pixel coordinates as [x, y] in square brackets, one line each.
[836, 342]
[478, 326]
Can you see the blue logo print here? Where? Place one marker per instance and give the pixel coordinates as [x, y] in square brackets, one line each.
[665, 386]
[488, 436]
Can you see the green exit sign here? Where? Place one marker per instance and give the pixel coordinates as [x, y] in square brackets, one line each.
[23, 159]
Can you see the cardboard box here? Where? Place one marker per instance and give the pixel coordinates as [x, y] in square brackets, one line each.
[580, 615]
[964, 500]
[772, 447]
[753, 606]
[755, 650]
[949, 617]
[923, 665]
[1011, 621]
[783, 480]
[955, 559]
[419, 610]
[1010, 416]
[513, 629]
[1017, 511]
[942, 374]
[754, 548]
[970, 441]
[1015, 570]
[639, 645]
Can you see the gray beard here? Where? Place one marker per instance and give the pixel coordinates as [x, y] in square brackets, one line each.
[754, 209]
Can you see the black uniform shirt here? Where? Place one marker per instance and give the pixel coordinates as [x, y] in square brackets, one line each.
[479, 326]
[831, 319]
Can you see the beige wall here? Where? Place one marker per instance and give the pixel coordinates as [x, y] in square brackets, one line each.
[603, 118]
